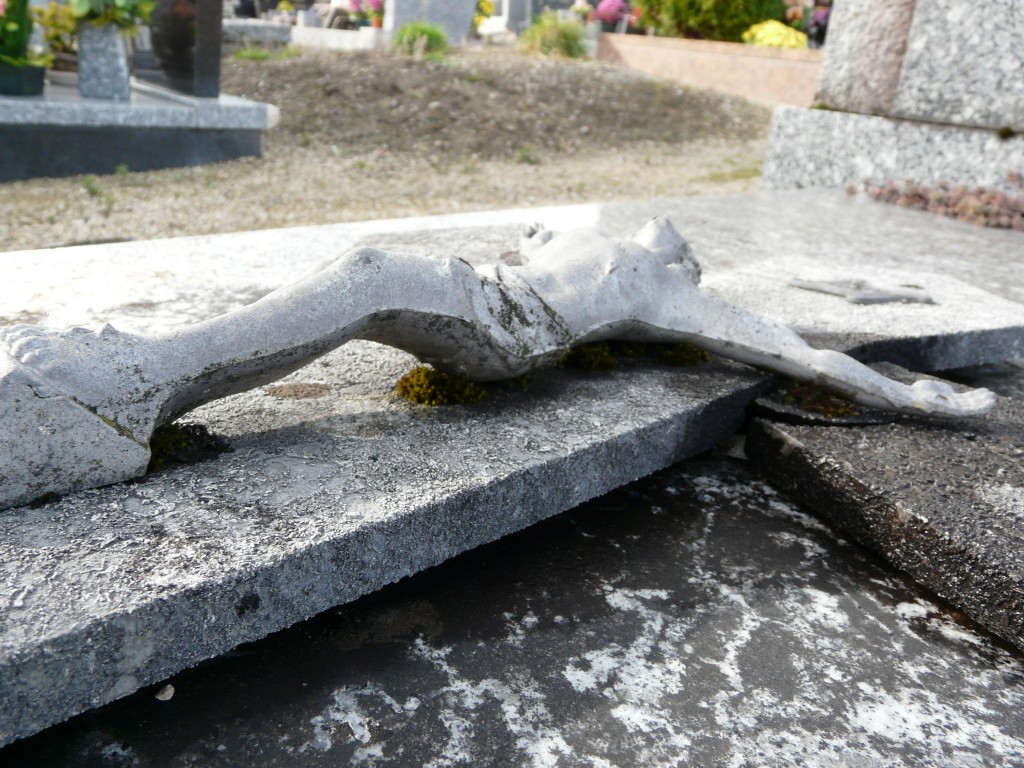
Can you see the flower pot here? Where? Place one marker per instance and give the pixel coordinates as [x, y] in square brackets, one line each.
[377, 22]
[64, 70]
[21, 81]
[102, 62]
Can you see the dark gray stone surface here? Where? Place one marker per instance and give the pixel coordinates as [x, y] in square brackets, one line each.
[943, 501]
[694, 618]
[323, 500]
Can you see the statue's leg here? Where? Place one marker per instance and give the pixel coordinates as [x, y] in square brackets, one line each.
[115, 374]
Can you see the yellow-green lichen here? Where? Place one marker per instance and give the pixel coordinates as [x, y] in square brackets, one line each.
[167, 441]
[603, 355]
[590, 357]
[427, 386]
[815, 399]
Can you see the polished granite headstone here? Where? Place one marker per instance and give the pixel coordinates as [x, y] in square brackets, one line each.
[182, 47]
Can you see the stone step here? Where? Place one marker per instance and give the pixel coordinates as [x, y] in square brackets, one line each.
[942, 501]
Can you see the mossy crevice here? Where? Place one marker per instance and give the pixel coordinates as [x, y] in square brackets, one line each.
[815, 399]
[427, 386]
[174, 444]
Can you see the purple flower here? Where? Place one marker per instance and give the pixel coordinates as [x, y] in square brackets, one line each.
[355, 6]
[611, 11]
[376, 6]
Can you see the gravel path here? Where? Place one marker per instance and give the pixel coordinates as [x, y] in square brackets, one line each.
[367, 136]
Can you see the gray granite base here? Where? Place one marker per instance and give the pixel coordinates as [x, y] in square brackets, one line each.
[28, 153]
[825, 148]
[61, 133]
[943, 502]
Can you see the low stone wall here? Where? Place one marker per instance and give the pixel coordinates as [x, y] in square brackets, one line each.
[770, 75]
[362, 39]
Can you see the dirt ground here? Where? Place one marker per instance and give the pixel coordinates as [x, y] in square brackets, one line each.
[373, 135]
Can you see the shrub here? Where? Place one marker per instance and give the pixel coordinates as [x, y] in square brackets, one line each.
[419, 38]
[550, 35]
[708, 19]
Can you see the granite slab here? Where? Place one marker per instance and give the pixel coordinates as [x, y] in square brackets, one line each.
[940, 501]
[696, 617]
[953, 325]
[322, 500]
[149, 107]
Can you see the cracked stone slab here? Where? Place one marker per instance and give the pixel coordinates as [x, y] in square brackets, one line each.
[958, 326]
[321, 501]
[940, 501]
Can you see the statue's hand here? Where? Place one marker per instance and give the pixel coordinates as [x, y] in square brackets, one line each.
[939, 398]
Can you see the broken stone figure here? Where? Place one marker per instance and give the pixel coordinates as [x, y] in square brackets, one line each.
[78, 407]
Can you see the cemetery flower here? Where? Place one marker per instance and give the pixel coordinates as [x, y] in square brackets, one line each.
[611, 11]
[58, 25]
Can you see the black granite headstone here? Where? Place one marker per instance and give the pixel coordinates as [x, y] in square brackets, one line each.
[180, 49]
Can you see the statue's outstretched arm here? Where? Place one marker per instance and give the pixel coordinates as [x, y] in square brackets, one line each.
[647, 289]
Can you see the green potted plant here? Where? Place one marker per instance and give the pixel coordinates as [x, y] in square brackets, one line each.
[102, 28]
[58, 25]
[21, 70]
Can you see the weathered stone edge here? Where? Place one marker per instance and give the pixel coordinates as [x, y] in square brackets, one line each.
[951, 569]
[329, 573]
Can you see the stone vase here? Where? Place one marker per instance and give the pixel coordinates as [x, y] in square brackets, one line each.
[102, 62]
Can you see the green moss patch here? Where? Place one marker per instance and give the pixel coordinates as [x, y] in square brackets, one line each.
[174, 444]
[427, 386]
[815, 399]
